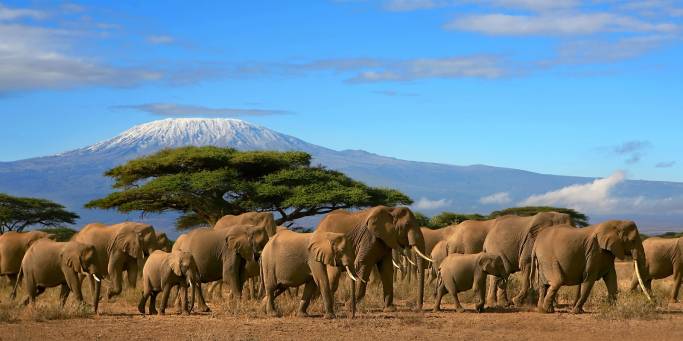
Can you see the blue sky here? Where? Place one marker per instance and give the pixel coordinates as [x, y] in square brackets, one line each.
[562, 87]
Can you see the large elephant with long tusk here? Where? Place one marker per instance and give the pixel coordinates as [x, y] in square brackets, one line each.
[374, 232]
[291, 259]
[565, 255]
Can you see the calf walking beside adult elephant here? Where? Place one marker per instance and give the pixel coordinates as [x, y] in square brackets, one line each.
[663, 258]
[374, 232]
[221, 254]
[564, 255]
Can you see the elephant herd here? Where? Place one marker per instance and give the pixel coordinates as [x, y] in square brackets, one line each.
[546, 248]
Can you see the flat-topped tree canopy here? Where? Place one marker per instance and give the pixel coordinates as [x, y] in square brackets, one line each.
[206, 183]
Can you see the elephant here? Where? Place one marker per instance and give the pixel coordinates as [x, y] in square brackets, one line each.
[116, 247]
[148, 240]
[163, 243]
[287, 260]
[374, 233]
[221, 254]
[264, 219]
[462, 272]
[13, 246]
[565, 255]
[164, 270]
[512, 237]
[663, 258]
[48, 263]
[432, 238]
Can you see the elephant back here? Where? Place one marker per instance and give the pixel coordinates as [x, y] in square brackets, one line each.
[13, 246]
[263, 219]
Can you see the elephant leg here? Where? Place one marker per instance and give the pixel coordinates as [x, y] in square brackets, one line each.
[577, 295]
[270, 301]
[201, 305]
[12, 279]
[116, 287]
[585, 292]
[309, 290]
[610, 280]
[550, 297]
[676, 286]
[74, 285]
[479, 287]
[542, 291]
[63, 294]
[333, 274]
[153, 303]
[492, 299]
[386, 272]
[502, 294]
[143, 301]
[518, 300]
[319, 272]
[440, 291]
[166, 290]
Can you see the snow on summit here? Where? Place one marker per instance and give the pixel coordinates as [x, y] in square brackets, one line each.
[176, 132]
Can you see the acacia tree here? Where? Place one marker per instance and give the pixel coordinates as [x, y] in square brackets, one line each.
[206, 183]
[444, 219]
[578, 219]
[17, 213]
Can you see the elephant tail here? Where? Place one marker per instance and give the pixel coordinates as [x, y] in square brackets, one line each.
[262, 283]
[13, 295]
[534, 273]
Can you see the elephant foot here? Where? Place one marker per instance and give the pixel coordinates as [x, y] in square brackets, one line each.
[330, 316]
[390, 309]
[153, 312]
[577, 310]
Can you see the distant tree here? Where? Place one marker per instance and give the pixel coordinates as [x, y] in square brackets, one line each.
[422, 220]
[206, 183]
[444, 219]
[61, 234]
[17, 213]
[578, 219]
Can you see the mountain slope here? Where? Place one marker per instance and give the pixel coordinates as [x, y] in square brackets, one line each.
[75, 177]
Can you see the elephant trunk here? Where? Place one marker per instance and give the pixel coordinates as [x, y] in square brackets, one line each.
[96, 295]
[353, 297]
[416, 241]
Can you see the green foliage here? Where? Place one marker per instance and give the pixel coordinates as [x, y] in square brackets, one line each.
[206, 183]
[444, 219]
[422, 220]
[62, 234]
[578, 219]
[17, 213]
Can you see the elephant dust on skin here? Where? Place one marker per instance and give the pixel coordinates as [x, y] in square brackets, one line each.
[13, 246]
[221, 254]
[663, 258]
[565, 255]
[374, 233]
[48, 263]
[291, 259]
[460, 272]
[163, 271]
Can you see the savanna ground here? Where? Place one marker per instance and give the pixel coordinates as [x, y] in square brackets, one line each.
[631, 318]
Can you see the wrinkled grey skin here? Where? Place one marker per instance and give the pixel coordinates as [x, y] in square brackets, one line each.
[459, 272]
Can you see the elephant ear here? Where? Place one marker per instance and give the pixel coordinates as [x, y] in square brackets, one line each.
[321, 247]
[128, 243]
[174, 262]
[609, 240]
[237, 242]
[72, 258]
[381, 223]
[487, 263]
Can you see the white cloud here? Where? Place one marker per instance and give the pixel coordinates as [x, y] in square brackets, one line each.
[7, 13]
[174, 109]
[160, 39]
[427, 204]
[555, 24]
[496, 198]
[588, 197]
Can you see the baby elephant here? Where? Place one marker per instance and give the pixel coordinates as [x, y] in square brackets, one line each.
[460, 272]
[48, 263]
[164, 270]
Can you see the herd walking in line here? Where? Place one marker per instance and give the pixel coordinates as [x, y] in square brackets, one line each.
[249, 249]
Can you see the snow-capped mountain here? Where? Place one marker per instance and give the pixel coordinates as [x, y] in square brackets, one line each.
[75, 177]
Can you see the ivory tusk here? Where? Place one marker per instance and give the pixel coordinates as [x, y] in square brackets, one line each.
[395, 265]
[640, 281]
[409, 261]
[348, 272]
[422, 255]
[95, 277]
